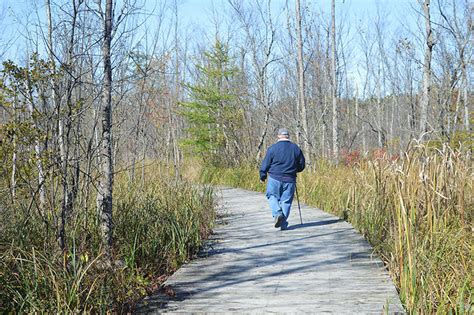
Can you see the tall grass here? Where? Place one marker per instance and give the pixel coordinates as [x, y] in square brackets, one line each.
[159, 224]
[416, 210]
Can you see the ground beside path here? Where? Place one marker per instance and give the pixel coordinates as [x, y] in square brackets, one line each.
[321, 266]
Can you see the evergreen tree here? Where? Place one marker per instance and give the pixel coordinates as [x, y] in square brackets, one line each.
[212, 113]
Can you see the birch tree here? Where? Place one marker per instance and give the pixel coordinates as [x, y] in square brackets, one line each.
[429, 43]
[335, 140]
[104, 196]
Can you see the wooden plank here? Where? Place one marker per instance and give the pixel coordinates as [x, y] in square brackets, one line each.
[249, 266]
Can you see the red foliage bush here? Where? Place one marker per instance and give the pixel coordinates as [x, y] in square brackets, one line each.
[350, 158]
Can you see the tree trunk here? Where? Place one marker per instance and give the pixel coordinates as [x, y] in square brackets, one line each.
[465, 96]
[264, 133]
[60, 135]
[356, 122]
[301, 88]
[175, 149]
[392, 116]
[13, 177]
[324, 128]
[263, 99]
[39, 163]
[425, 97]
[335, 140]
[104, 196]
[14, 155]
[379, 112]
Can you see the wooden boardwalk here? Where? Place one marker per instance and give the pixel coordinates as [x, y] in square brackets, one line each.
[322, 266]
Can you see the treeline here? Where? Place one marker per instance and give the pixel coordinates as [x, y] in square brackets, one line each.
[338, 87]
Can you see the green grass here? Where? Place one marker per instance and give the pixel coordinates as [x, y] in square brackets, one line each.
[416, 211]
[158, 225]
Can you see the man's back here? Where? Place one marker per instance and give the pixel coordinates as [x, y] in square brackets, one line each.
[282, 161]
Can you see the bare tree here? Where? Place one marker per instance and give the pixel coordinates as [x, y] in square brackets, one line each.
[335, 143]
[104, 196]
[260, 33]
[425, 96]
[460, 27]
[301, 83]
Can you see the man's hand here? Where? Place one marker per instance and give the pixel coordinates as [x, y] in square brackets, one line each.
[262, 181]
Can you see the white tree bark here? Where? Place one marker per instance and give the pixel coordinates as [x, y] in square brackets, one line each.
[425, 96]
[39, 162]
[104, 196]
[335, 140]
[14, 155]
[466, 99]
[177, 92]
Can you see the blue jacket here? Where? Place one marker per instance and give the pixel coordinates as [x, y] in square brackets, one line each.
[283, 160]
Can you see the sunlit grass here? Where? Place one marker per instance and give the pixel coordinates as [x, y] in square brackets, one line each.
[159, 224]
[416, 211]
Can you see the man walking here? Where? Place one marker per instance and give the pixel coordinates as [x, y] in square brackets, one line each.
[283, 160]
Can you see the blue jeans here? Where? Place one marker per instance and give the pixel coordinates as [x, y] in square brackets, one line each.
[280, 197]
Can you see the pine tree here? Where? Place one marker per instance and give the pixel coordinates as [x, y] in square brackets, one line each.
[212, 114]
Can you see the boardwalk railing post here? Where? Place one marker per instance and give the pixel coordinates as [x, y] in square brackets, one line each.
[298, 199]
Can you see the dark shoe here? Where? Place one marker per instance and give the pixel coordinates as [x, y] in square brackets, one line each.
[278, 221]
[284, 226]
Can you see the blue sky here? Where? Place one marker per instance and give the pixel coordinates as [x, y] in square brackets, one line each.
[199, 11]
[196, 15]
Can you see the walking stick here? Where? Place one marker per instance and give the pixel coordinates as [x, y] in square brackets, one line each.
[298, 199]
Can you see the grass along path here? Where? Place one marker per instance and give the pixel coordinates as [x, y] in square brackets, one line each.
[159, 224]
[416, 211]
